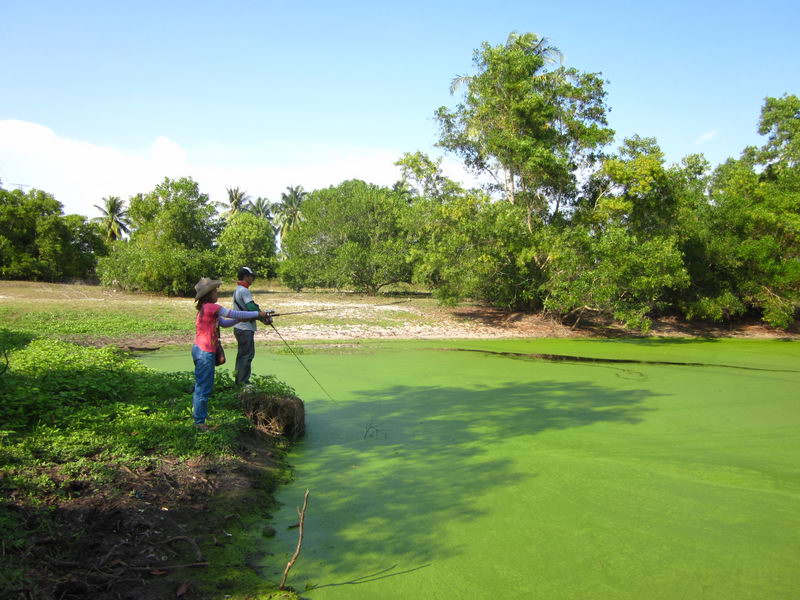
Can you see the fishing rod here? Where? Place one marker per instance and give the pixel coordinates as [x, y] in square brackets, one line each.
[302, 363]
[302, 312]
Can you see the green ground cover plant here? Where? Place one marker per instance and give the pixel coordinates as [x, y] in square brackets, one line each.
[77, 423]
[73, 321]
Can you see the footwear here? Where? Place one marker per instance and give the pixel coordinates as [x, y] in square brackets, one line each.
[201, 427]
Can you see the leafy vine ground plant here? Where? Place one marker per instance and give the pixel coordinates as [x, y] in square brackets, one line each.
[99, 465]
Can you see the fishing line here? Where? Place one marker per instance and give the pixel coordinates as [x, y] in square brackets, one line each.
[302, 363]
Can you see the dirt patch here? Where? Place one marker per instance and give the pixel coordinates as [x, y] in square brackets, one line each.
[140, 536]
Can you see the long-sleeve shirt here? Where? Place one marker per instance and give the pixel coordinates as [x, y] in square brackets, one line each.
[209, 316]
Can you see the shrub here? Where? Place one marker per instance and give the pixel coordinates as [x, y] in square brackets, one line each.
[164, 267]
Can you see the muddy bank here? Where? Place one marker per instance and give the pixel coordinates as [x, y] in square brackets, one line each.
[150, 533]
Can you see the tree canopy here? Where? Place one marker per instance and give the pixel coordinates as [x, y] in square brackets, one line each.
[37, 242]
[173, 232]
[350, 238]
[529, 125]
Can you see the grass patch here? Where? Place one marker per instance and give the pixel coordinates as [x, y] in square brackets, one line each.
[94, 314]
[91, 322]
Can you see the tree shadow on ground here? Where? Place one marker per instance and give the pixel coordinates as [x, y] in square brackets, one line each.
[14, 340]
[486, 315]
[392, 470]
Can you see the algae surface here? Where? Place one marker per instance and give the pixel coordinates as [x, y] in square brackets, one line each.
[443, 474]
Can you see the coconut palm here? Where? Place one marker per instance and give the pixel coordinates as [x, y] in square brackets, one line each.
[261, 207]
[237, 200]
[115, 218]
[288, 212]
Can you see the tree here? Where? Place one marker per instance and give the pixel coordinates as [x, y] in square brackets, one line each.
[780, 121]
[289, 212]
[173, 230]
[238, 201]
[37, 242]
[612, 272]
[247, 240]
[175, 210]
[752, 244]
[261, 207]
[114, 221]
[529, 127]
[422, 176]
[157, 265]
[84, 244]
[350, 237]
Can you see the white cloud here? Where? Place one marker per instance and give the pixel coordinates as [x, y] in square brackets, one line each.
[706, 137]
[79, 173]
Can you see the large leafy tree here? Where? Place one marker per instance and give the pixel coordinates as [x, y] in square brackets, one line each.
[610, 271]
[173, 230]
[350, 237]
[84, 244]
[780, 122]
[114, 219]
[247, 240]
[468, 246]
[37, 242]
[176, 211]
[742, 251]
[752, 244]
[528, 124]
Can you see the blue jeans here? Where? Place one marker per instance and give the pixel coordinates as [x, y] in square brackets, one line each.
[203, 383]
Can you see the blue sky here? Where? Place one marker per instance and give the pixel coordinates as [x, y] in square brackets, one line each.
[103, 98]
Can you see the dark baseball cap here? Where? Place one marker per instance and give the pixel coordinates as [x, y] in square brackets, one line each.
[245, 271]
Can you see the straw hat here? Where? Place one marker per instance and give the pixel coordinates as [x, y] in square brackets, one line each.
[204, 286]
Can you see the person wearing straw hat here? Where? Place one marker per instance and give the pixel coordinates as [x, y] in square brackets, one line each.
[210, 317]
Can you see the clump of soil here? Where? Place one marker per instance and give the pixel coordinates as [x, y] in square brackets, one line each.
[276, 416]
[140, 536]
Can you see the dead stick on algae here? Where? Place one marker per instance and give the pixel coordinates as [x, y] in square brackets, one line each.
[301, 512]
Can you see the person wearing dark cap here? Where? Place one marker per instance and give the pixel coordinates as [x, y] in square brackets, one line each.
[245, 331]
[210, 316]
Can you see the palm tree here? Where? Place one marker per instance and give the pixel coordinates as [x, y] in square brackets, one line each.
[237, 200]
[261, 207]
[115, 218]
[288, 211]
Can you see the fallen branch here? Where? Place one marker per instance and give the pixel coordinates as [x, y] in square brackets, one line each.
[302, 514]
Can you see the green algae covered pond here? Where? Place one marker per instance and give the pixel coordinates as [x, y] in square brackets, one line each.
[475, 469]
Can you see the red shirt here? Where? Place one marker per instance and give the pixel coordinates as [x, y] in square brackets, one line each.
[205, 336]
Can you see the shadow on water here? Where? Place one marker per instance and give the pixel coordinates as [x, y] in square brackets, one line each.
[396, 473]
[624, 361]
